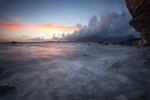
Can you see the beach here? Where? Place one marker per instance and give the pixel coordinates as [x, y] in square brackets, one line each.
[73, 71]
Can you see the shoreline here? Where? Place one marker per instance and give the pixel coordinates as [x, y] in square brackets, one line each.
[122, 74]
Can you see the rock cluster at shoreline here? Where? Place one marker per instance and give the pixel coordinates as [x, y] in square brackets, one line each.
[130, 42]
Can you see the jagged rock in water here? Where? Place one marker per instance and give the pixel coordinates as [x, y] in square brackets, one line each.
[105, 44]
[140, 11]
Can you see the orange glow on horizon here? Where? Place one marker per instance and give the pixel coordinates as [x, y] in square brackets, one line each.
[11, 26]
[58, 28]
[43, 27]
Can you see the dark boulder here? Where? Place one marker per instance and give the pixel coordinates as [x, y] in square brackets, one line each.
[115, 43]
[130, 42]
[105, 44]
[13, 42]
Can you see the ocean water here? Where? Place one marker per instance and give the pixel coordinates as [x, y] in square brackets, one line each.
[73, 71]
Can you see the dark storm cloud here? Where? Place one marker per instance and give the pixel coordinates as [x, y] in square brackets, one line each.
[109, 26]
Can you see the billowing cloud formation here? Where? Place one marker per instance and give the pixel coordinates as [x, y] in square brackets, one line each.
[109, 26]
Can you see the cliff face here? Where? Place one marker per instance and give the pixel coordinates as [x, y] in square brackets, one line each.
[140, 11]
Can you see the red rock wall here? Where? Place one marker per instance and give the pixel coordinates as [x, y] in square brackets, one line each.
[140, 11]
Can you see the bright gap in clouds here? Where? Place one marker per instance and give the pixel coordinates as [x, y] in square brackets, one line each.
[35, 32]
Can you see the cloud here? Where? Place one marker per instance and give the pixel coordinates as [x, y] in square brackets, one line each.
[110, 25]
[39, 27]
[7, 19]
[16, 18]
[25, 36]
[11, 26]
[3, 20]
[58, 28]
[37, 39]
[55, 37]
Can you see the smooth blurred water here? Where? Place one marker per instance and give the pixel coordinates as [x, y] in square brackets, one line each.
[73, 71]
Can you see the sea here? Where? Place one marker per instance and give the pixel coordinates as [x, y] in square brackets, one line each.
[74, 71]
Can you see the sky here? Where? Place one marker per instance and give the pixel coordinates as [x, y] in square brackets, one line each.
[46, 20]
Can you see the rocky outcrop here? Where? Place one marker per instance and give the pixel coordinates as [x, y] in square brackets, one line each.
[140, 11]
[129, 42]
[13, 42]
[6, 88]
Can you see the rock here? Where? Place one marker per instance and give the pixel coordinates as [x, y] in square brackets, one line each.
[140, 11]
[6, 88]
[88, 44]
[130, 42]
[115, 43]
[13, 42]
[121, 43]
[105, 44]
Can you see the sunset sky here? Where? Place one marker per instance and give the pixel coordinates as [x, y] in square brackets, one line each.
[44, 20]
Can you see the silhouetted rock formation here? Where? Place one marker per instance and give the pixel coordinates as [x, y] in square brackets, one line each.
[13, 42]
[131, 42]
[140, 11]
[6, 88]
[105, 44]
